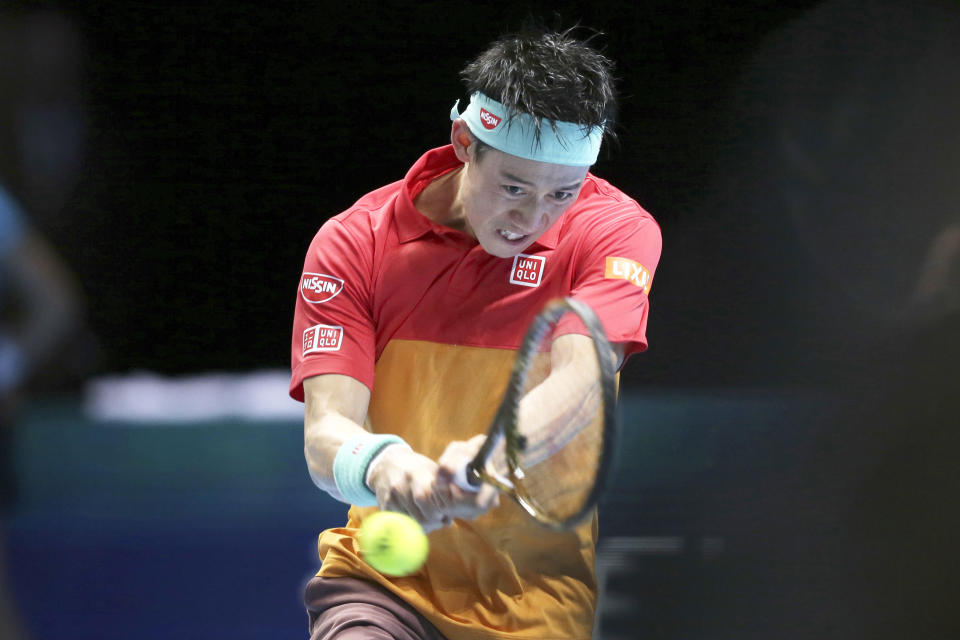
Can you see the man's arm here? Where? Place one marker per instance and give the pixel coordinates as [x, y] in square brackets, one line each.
[403, 480]
[334, 408]
[46, 308]
[565, 402]
[570, 393]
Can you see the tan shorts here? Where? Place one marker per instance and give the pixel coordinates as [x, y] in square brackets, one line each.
[351, 609]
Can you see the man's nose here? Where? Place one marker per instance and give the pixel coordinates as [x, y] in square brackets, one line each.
[526, 216]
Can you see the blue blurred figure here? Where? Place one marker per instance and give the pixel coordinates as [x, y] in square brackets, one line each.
[40, 306]
[41, 129]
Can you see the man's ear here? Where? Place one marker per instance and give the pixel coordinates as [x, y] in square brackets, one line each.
[461, 139]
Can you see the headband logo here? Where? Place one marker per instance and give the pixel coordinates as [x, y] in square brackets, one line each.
[489, 120]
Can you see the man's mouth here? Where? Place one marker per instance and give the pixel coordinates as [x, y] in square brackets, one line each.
[510, 236]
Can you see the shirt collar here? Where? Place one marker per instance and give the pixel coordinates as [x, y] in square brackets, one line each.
[411, 224]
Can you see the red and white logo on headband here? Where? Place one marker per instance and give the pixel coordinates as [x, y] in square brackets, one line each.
[488, 120]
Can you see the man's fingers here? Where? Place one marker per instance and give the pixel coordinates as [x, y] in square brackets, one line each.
[488, 497]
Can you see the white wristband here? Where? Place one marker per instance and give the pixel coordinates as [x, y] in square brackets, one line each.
[351, 463]
[377, 458]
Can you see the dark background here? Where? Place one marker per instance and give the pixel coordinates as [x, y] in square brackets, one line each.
[221, 136]
[801, 159]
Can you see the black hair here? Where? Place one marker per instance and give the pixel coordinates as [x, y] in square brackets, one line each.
[550, 75]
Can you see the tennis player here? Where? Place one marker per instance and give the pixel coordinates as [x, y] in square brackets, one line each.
[409, 310]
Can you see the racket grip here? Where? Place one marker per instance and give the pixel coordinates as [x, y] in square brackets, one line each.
[462, 478]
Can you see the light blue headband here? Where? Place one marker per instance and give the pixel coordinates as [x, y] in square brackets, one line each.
[569, 143]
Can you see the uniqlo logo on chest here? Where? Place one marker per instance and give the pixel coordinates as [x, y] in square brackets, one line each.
[322, 337]
[527, 270]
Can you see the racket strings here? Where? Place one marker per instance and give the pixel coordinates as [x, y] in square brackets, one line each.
[559, 432]
[557, 470]
[560, 485]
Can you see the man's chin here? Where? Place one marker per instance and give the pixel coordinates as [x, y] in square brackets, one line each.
[500, 251]
[503, 248]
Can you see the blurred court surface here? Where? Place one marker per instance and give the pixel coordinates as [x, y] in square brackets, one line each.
[207, 529]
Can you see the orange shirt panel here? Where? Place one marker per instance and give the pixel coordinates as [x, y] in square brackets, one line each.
[501, 575]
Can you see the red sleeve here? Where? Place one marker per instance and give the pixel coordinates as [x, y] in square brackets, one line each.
[333, 329]
[614, 274]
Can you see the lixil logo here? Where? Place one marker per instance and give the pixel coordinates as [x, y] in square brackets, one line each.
[629, 270]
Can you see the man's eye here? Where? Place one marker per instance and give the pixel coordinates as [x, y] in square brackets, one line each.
[512, 190]
[562, 195]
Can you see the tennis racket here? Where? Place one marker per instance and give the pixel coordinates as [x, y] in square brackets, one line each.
[554, 461]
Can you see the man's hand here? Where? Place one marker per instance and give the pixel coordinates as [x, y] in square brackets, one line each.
[411, 483]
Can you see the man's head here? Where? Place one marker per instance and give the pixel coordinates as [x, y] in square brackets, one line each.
[553, 77]
[540, 106]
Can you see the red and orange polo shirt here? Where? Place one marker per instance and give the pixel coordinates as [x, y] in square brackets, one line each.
[429, 321]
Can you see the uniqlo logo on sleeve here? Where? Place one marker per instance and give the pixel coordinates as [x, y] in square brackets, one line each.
[527, 270]
[322, 337]
[629, 270]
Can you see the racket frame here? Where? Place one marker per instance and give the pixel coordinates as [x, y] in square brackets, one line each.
[505, 422]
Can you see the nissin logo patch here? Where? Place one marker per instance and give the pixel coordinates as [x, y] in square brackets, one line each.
[319, 287]
[629, 270]
[527, 270]
[322, 337]
[488, 120]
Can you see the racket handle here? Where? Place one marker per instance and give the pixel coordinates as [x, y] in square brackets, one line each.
[465, 477]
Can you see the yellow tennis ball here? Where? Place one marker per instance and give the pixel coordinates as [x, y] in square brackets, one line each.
[393, 543]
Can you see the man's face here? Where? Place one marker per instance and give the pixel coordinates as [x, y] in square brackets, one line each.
[509, 201]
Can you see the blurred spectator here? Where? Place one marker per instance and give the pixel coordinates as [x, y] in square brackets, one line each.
[40, 307]
[841, 191]
[831, 225]
[40, 145]
[42, 121]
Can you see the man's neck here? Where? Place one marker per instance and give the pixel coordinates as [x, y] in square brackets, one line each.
[440, 201]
